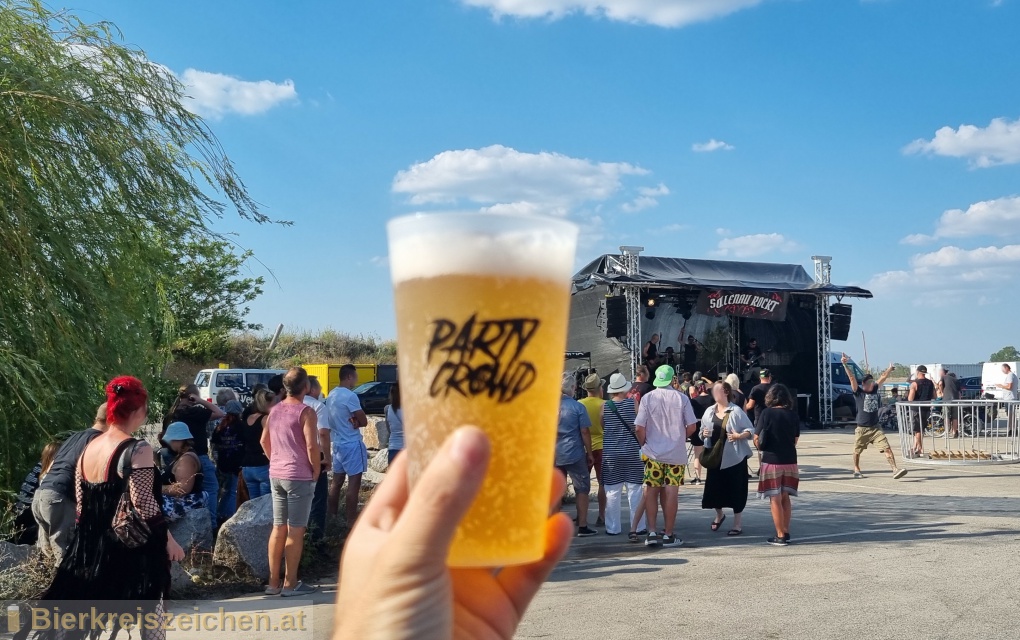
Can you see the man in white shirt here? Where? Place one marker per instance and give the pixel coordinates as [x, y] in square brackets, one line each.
[1009, 383]
[350, 457]
[664, 421]
[317, 519]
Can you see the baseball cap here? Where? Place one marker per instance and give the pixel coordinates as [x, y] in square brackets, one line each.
[663, 376]
[593, 381]
[765, 373]
[922, 369]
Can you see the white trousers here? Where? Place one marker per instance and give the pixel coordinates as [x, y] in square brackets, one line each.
[635, 500]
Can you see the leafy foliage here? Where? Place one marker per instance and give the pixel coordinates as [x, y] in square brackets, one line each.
[1005, 354]
[107, 188]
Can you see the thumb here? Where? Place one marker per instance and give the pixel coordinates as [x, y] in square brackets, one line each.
[445, 492]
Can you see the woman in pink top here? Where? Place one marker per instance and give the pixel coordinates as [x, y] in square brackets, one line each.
[290, 440]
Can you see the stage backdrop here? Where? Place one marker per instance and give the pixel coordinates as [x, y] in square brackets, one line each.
[759, 305]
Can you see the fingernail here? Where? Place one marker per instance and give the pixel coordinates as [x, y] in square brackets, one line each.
[469, 446]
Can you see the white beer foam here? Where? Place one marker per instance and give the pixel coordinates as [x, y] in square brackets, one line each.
[543, 252]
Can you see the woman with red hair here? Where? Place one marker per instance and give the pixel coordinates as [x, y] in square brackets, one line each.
[98, 566]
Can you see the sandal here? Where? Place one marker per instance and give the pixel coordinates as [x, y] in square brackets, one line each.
[734, 532]
[633, 537]
[716, 525]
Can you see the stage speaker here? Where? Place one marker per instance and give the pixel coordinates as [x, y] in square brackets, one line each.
[616, 317]
[839, 321]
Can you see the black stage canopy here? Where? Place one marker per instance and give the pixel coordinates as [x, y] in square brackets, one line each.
[710, 274]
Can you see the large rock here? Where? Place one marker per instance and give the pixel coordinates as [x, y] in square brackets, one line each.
[181, 582]
[372, 478]
[13, 556]
[371, 432]
[194, 531]
[380, 462]
[243, 541]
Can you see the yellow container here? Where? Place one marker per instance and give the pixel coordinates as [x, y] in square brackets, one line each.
[329, 375]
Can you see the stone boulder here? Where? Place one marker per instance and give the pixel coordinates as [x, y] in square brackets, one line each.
[13, 556]
[181, 582]
[372, 478]
[373, 430]
[243, 541]
[380, 461]
[194, 531]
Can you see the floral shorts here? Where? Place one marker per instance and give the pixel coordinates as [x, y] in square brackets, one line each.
[174, 508]
[661, 474]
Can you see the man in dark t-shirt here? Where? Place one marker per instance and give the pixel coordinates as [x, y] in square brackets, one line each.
[866, 394]
[54, 504]
[756, 399]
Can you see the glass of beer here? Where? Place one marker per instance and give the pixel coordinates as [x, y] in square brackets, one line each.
[482, 304]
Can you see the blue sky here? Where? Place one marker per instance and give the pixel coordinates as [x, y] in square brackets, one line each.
[883, 133]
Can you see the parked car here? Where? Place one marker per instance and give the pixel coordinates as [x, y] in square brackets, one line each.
[374, 396]
[970, 388]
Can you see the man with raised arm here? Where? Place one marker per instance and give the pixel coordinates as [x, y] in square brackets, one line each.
[868, 432]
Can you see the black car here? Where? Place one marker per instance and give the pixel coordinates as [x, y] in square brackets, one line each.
[374, 396]
[970, 388]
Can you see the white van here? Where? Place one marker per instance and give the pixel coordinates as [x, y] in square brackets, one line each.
[991, 375]
[210, 381]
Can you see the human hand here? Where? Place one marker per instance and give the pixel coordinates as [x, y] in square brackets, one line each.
[173, 549]
[845, 359]
[394, 581]
[591, 460]
[733, 437]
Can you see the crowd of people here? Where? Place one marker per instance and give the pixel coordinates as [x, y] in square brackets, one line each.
[638, 440]
[210, 455]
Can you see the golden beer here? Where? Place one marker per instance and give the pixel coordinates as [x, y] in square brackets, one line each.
[486, 348]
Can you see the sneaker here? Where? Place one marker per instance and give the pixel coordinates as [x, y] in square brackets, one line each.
[858, 475]
[672, 541]
[652, 540]
[787, 538]
[274, 591]
[777, 542]
[586, 532]
[899, 474]
[300, 589]
[601, 522]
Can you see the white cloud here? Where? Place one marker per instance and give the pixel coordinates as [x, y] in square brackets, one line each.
[507, 180]
[662, 13]
[999, 217]
[755, 245]
[215, 95]
[952, 272]
[380, 261]
[648, 197]
[998, 143]
[674, 228]
[711, 145]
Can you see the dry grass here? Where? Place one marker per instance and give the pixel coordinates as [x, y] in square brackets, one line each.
[249, 350]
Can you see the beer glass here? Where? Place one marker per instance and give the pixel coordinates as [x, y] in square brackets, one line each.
[482, 303]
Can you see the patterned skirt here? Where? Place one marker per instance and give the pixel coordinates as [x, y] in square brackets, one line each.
[776, 479]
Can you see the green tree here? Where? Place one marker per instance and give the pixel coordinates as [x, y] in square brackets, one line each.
[99, 158]
[1005, 354]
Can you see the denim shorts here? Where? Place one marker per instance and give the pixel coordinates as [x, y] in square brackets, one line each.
[579, 474]
[292, 501]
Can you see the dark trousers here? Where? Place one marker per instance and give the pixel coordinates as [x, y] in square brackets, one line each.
[317, 519]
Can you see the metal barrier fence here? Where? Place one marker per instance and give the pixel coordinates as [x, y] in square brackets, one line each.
[960, 432]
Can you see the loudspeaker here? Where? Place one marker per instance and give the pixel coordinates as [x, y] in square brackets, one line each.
[839, 321]
[616, 317]
[683, 307]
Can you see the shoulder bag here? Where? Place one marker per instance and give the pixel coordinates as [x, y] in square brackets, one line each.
[616, 412]
[129, 527]
[712, 458]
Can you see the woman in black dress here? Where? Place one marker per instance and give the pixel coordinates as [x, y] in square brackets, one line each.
[726, 487]
[115, 579]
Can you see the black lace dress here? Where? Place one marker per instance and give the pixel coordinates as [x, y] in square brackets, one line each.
[97, 570]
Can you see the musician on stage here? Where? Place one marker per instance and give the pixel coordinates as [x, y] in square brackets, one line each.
[751, 359]
[690, 350]
[651, 352]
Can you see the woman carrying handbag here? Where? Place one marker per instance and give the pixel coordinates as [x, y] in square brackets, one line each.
[727, 432]
[621, 460]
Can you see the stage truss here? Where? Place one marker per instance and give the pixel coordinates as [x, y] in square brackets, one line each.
[823, 334]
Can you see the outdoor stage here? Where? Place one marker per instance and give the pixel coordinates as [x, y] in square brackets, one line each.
[619, 301]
